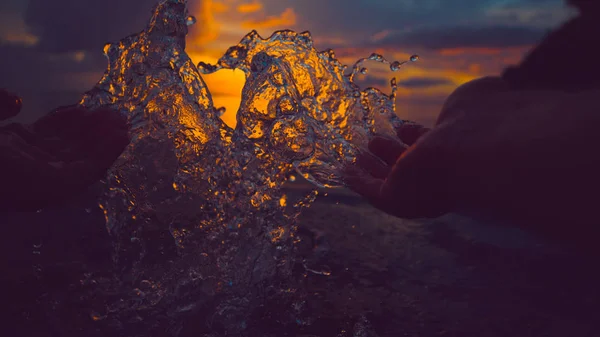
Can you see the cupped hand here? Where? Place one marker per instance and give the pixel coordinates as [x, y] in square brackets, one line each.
[530, 157]
[57, 156]
[416, 174]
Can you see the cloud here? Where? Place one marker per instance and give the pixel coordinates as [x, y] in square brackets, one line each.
[422, 109]
[207, 28]
[47, 80]
[72, 25]
[13, 29]
[380, 83]
[534, 16]
[249, 7]
[441, 37]
[489, 51]
[424, 82]
[362, 18]
[286, 19]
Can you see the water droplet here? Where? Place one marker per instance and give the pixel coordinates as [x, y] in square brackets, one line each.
[190, 20]
[395, 66]
[363, 71]
[106, 48]
[414, 58]
[292, 178]
[376, 57]
[221, 111]
[330, 54]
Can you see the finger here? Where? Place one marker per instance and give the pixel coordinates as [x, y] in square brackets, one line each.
[13, 145]
[419, 183]
[108, 136]
[107, 151]
[370, 188]
[98, 136]
[373, 165]
[30, 182]
[362, 183]
[410, 132]
[64, 122]
[386, 148]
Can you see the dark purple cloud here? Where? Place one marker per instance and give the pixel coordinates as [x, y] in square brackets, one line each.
[40, 78]
[423, 82]
[356, 19]
[440, 37]
[70, 25]
[44, 75]
[372, 81]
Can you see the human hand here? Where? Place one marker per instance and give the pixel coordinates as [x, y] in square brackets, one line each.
[57, 156]
[524, 156]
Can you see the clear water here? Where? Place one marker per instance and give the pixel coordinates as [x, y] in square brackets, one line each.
[195, 208]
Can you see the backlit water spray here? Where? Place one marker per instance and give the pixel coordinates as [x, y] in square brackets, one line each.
[200, 225]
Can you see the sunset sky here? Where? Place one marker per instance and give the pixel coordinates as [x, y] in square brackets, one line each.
[52, 49]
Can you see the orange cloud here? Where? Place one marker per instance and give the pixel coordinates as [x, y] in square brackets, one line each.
[475, 68]
[13, 30]
[219, 7]
[207, 28]
[287, 18]
[19, 38]
[250, 7]
[381, 35]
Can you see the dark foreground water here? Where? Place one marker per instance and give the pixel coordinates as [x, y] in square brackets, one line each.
[366, 274]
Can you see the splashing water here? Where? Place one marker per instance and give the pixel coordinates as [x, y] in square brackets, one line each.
[197, 214]
[302, 102]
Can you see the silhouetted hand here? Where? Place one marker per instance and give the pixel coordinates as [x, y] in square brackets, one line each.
[57, 156]
[530, 157]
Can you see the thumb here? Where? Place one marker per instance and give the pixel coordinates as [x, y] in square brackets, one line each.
[369, 187]
[419, 184]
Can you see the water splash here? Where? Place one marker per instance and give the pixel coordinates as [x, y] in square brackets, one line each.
[301, 101]
[196, 208]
